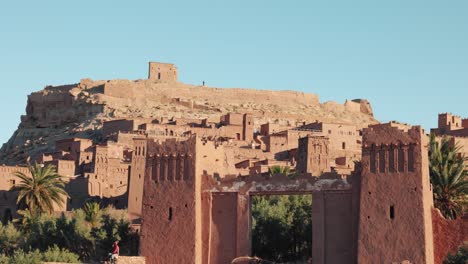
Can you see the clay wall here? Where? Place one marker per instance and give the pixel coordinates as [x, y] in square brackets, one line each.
[162, 71]
[137, 178]
[448, 235]
[276, 143]
[452, 125]
[8, 199]
[462, 142]
[344, 141]
[73, 145]
[52, 108]
[268, 129]
[465, 123]
[125, 139]
[109, 179]
[396, 199]
[85, 157]
[64, 167]
[242, 132]
[172, 205]
[313, 155]
[223, 228]
[247, 127]
[352, 106]
[233, 119]
[332, 227]
[120, 89]
[121, 125]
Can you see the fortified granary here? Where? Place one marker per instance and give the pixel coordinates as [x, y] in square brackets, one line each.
[187, 182]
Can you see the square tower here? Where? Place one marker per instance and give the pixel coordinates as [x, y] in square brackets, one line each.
[395, 221]
[313, 155]
[165, 72]
[448, 122]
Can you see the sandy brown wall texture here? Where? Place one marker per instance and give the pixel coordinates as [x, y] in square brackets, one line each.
[448, 235]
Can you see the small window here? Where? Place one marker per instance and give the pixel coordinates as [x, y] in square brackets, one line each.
[329, 131]
[392, 212]
[343, 145]
[170, 214]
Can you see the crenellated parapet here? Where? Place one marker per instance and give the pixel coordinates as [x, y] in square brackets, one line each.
[172, 167]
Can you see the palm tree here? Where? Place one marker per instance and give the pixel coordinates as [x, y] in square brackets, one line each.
[39, 191]
[92, 213]
[448, 177]
[284, 170]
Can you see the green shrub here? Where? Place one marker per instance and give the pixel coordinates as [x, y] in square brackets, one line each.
[55, 254]
[4, 259]
[461, 257]
[9, 238]
[21, 257]
[83, 240]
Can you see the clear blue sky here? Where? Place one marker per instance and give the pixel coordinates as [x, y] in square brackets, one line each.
[409, 58]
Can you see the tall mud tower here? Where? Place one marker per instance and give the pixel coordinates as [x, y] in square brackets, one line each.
[395, 221]
[171, 228]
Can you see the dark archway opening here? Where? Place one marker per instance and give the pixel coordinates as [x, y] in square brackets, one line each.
[282, 227]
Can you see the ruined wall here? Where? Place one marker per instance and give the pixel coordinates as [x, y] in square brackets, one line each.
[120, 89]
[396, 199]
[448, 235]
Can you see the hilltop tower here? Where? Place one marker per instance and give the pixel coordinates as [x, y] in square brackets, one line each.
[395, 221]
[165, 72]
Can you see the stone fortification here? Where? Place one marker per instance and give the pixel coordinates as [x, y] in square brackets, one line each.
[79, 110]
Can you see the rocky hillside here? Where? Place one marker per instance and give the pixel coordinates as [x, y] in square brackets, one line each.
[80, 109]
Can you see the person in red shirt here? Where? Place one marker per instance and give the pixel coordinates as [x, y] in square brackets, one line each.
[115, 251]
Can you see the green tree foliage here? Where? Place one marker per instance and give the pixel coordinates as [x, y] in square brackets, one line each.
[282, 227]
[284, 170]
[65, 237]
[461, 257]
[448, 177]
[10, 238]
[40, 191]
[279, 170]
[53, 254]
[92, 213]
